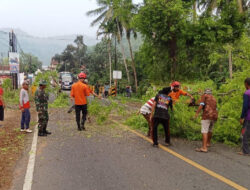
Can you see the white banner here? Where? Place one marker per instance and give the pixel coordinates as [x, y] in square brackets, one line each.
[117, 75]
[14, 62]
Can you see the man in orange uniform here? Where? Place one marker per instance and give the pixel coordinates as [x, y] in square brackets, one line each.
[79, 92]
[177, 92]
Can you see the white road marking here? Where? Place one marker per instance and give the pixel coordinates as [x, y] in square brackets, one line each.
[31, 164]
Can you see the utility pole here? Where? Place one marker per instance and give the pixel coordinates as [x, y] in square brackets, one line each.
[115, 55]
[115, 66]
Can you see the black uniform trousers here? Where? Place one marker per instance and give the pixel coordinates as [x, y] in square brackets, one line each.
[78, 109]
[165, 123]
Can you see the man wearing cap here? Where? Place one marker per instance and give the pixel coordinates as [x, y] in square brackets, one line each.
[79, 92]
[209, 117]
[24, 105]
[177, 92]
[41, 100]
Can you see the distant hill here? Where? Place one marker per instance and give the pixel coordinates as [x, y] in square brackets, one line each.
[46, 48]
[43, 48]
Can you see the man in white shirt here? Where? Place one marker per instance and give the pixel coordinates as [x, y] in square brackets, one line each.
[25, 107]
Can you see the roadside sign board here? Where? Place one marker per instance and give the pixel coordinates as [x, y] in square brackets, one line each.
[117, 75]
[14, 68]
[14, 62]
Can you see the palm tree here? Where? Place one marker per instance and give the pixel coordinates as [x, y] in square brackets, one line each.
[207, 6]
[126, 11]
[119, 35]
[105, 14]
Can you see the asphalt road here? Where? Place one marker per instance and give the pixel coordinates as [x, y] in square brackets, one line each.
[111, 158]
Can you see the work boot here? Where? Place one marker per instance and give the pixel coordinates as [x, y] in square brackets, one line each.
[42, 134]
[82, 127]
[79, 127]
[47, 132]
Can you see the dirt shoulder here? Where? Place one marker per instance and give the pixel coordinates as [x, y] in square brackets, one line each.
[12, 144]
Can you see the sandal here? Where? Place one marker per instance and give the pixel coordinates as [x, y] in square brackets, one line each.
[200, 150]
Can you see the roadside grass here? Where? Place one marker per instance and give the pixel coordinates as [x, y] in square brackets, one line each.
[12, 144]
[99, 111]
[33, 123]
[102, 109]
[61, 101]
[137, 122]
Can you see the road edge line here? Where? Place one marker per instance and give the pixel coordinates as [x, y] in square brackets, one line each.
[31, 163]
[187, 160]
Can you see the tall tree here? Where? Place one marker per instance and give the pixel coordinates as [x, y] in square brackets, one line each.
[29, 63]
[107, 30]
[119, 35]
[125, 11]
[105, 14]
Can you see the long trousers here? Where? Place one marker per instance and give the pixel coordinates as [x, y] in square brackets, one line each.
[78, 109]
[25, 120]
[246, 137]
[1, 113]
[165, 123]
[43, 118]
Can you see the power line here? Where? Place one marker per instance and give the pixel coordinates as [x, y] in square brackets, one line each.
[18, 44]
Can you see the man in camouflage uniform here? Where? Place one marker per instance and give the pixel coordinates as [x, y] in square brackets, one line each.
[41, 100]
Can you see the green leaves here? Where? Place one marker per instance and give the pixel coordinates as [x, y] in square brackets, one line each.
[29, 63]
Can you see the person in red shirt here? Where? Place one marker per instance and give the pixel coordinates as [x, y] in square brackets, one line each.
[177, 92]
[79, 93]
[2, 105]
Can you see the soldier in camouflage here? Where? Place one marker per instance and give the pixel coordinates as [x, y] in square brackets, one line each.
[41, 100]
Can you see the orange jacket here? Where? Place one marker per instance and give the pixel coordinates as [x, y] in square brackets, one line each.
[79, 91]
[176, 95]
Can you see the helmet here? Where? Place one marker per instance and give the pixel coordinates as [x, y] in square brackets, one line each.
[175, 83]
[82, 76]
[42, 83]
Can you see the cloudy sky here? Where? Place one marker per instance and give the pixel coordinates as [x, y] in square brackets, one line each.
[45, 18]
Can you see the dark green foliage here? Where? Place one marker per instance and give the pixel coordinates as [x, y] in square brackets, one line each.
[178, 47]
[10, 96]
[61, 101]
[29, 63]
[73, 57]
